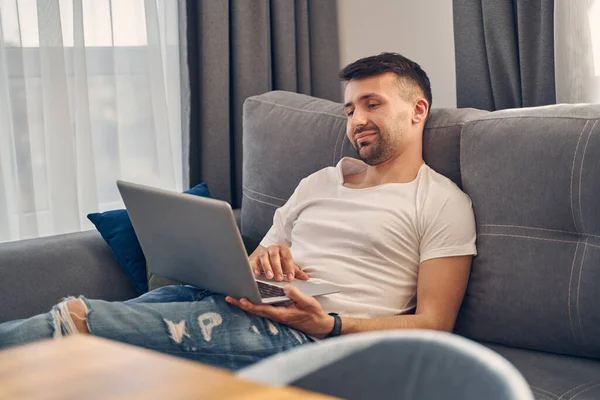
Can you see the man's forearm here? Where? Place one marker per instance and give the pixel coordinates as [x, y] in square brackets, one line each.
[355, 325]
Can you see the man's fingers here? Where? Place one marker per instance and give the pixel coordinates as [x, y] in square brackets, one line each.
[265, 264]
[300, 274]
[302, 301]
[244, 305]
[251, 308]
[232, 300]
[255, 265]
[275, 260]
[262, 310]
[290, 267]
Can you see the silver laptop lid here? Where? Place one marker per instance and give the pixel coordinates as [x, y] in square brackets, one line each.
[190, 239]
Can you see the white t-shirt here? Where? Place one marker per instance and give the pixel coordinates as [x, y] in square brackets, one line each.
[370, 241]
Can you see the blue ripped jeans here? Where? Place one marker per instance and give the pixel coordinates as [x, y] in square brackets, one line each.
[179, 320]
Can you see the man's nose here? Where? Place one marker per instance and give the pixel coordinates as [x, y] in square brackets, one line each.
[359, 119]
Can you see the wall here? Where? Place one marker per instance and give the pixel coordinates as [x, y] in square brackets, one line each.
[420, 30]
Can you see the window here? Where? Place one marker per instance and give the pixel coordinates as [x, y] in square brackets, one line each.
[91, 90]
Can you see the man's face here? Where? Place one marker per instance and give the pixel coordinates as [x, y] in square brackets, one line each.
[378, 117]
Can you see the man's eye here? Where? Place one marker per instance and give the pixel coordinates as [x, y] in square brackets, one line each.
[373, 105]
[349, 113]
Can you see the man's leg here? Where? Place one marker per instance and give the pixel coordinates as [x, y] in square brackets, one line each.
[205, 329]
[69, 317]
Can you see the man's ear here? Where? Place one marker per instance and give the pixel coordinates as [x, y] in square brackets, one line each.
[420, 111]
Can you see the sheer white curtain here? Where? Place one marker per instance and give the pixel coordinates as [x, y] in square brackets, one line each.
[89, 93]
[577, 51]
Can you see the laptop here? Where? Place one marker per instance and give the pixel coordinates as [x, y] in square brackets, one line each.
[195, 240]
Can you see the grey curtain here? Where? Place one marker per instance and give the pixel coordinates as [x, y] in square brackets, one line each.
[241, 48]
[504, 53]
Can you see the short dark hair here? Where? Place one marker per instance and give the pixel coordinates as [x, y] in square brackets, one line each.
[389, 62]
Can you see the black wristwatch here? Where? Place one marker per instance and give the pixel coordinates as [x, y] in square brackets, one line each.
[337, 326]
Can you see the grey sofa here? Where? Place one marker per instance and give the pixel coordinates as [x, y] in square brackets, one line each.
[533, 175]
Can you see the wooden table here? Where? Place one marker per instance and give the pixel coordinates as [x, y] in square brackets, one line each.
[87, 367]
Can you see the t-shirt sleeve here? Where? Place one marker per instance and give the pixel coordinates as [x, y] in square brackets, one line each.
[451, 230]
[283, 222]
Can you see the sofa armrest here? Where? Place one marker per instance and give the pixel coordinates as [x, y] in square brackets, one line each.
[37, 273]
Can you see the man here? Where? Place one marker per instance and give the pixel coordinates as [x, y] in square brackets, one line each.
[396, 236]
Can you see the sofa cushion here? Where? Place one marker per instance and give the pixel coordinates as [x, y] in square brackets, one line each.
[116, 229]
[533, 175]
[288, 136]
[552, 376]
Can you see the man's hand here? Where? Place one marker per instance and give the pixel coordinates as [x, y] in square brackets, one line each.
[305, 314]
[275, 262]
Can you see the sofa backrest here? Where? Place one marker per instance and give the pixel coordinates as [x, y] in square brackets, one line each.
[288, 136]
[533, 175]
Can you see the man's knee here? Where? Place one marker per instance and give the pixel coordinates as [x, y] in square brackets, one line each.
[78, 311]
[69, 317]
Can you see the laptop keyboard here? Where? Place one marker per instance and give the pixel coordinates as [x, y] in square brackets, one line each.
[267, 290]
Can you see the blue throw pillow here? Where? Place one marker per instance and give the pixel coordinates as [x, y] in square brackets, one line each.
[117, 231]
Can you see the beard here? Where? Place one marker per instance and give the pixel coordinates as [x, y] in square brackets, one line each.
[375, 150]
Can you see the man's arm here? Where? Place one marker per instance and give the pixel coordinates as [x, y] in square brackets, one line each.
[441, 287]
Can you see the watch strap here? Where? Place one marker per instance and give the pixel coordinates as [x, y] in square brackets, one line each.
[337, 326]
